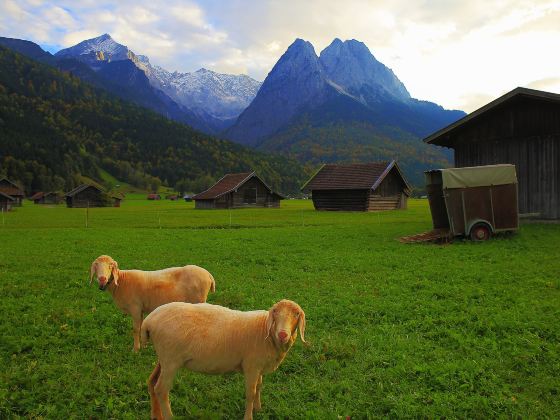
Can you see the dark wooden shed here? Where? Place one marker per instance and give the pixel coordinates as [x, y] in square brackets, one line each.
[359, 187]
[46, 198]
[237, 191]
[521, 128]
[13, 190]
[88, 196]
[6, 201]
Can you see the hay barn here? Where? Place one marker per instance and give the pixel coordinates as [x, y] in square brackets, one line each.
[13, 190]
[238, 191]
[87, 196]
[47, 198]
[521, 128]
[359, 187]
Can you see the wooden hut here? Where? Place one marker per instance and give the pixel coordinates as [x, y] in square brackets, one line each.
[359, 187]
[237, 191]
[13, 190]
[522, 128]
[6, 201]
[46, 198]
[87, 196]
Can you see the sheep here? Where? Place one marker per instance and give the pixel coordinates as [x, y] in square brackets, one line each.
[138, 292]
[212, 339]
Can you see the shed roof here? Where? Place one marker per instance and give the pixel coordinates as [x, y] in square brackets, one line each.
[229, 183]
[37, 195]
[11, 188]
[6, 196]
[441, 137]
[80, 189]
[353, 176]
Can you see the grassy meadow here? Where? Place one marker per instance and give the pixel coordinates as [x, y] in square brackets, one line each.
[468, 330]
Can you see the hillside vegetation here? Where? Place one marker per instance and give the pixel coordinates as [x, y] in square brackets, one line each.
[55, 128]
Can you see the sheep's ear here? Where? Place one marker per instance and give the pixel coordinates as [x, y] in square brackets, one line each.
[301, 325]
[91, 272]
[269, 323]
[115, 272]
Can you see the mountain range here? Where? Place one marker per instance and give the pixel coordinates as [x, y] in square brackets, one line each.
[55, 129]
[343, 105]
[340, 105]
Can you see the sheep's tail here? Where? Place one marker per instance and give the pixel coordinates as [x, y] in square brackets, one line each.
[213, 284]
[144, 334]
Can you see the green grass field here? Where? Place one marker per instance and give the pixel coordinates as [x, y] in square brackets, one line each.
[469, 330]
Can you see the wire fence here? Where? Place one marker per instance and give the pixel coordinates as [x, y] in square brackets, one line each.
[299, 213]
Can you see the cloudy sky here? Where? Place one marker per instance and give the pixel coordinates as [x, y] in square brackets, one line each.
[460, 54]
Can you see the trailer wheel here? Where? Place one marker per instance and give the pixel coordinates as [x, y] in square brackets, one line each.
[480, 232]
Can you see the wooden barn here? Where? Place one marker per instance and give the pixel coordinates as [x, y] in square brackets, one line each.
[6, 201]
[88, 196]
[359, 187]
[46, 198]
[237, 191]
[13, 190]
[522, 128]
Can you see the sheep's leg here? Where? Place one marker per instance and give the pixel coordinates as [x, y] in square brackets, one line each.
[257, 403]
[155, 408]
[251, 379]
[136, 325]
[162, 388]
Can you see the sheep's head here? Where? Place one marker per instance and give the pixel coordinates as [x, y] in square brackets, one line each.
[284, 319]
[106, 270]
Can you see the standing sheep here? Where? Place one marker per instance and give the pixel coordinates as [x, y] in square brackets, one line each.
[213, 339]
[138, 292]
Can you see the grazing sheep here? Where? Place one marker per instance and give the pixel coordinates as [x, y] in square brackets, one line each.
[213, 339]
[138, 292]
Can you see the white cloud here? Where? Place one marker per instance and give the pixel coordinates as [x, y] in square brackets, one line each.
[456, 53]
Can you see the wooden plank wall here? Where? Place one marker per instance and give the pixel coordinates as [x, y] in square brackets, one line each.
[526, 133]
[349, 200]
[264, 197]
[537, 161]
[89, 197]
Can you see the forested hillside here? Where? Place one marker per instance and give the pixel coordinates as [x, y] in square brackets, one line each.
[55, 128]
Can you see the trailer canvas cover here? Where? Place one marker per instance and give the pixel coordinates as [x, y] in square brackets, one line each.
[479, 176]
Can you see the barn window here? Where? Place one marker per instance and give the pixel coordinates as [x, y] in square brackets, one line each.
[250, 195]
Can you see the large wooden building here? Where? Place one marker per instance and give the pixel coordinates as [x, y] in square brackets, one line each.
[91, 196]
[359, 187]
[238, 191]
[522, 128]
[13, 190]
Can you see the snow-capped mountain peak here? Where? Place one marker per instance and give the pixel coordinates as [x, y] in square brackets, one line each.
[101, 48]
[222, 96]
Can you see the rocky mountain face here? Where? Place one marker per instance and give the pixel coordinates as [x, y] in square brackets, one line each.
[297, 80]
[352, 66]
[213, 100]
[223, 96]
[98, 50]
[345, 73]
[343, 105]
